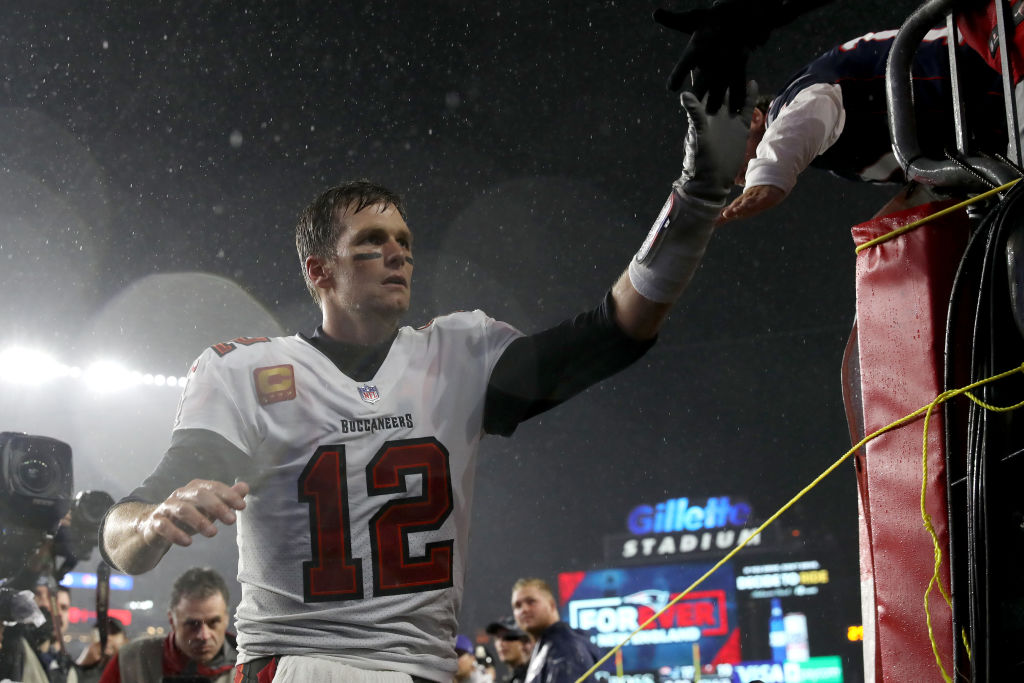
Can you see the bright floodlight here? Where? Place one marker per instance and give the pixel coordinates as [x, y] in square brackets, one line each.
[19, 365]
[25, 366]
[105, 376]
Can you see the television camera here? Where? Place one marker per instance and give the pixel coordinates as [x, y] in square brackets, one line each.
[41, 517]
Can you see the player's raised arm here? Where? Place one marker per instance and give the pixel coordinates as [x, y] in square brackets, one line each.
[660, 271]
[136, 535]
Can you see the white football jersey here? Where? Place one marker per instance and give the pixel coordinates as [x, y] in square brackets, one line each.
[354, 536]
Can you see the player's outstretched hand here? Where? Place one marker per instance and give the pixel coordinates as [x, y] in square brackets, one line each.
[192, 509]
[721, 38]
[715, 146]
[753, 201]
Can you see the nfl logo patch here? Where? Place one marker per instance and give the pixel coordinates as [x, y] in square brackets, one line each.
[369, 393]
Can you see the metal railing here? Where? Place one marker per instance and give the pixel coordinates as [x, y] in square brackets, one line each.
[903, 127]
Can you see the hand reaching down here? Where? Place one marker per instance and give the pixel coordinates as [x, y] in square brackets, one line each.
[753, 201]
[194, 508]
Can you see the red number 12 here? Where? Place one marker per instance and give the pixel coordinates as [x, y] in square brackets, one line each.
[333, 573]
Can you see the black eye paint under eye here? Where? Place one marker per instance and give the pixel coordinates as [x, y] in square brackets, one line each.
[367, 256]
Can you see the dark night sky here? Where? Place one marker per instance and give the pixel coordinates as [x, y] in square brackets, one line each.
[534, 143]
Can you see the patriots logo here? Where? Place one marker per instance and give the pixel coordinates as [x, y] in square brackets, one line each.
[653, 598]
[369, 393]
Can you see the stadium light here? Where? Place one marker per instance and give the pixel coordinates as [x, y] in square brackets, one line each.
[20, 365]
[106, 376]
[30, 367]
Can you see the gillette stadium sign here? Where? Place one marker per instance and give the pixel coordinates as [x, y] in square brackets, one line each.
[681, 527]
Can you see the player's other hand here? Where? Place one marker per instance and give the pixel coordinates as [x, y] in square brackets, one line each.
[753, 201]
[721, 38]
[194, 508]
[716, 146]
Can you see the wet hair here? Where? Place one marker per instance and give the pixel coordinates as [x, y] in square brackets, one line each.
[198, 583]
[318, 230]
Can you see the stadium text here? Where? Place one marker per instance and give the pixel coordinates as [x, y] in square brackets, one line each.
[686, 543]
[678, 515]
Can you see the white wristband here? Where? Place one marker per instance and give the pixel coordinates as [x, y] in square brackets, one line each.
[674, 246]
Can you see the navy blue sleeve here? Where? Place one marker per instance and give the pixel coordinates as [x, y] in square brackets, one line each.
[539, 371]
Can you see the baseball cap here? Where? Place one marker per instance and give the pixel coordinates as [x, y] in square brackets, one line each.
[463, 644]
[506, 626]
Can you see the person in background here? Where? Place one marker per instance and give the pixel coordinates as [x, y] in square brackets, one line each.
[468, 669]
[58, 602]
[47, 641]
[23, 618]
[832, 115]
[513, 646]
[92, 662]
[561, 654]
[485, 660]
[198, 645]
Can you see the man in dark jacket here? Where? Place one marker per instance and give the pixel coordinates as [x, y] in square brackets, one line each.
[561, 654]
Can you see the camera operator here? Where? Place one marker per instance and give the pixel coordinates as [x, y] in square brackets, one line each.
[61, 601]
[47, 640]
[44, 531]
[33, 649]
[19, 609]
[22, 655]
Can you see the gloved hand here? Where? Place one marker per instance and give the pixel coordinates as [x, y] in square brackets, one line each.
[675, 244]
[715, 147]
[721, 38]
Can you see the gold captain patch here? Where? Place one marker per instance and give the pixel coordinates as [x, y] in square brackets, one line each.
[274, 384]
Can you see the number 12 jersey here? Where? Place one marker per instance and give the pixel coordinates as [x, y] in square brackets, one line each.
[353, 541]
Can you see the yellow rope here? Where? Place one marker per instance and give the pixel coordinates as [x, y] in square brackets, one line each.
[937, 549]
[942, 398]
[994, 409]
[935, 580]
[921, 221]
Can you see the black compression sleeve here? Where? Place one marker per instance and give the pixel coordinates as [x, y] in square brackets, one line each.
[540, 371]
[193, 454]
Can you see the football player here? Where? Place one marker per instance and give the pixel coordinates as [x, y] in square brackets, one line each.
[347, 456]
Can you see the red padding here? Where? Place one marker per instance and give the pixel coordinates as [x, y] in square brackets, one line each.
[903, 288]
[977, 24]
